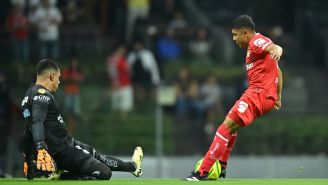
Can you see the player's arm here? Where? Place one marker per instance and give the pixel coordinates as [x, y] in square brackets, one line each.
[279, 89]
[275, 51]
[39, 112]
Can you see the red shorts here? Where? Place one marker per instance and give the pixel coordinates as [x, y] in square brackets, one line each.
[250, 106]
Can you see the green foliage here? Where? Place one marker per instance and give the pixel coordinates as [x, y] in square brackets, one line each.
[199, 71]
[291, 135]
[115, 135]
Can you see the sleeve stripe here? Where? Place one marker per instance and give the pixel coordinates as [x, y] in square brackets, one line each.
[266, 45]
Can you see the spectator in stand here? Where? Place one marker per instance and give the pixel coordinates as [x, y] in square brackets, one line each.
[33, 5]
[33, 36]
[163, 10]
[47, 19]
[73, 14]
[168, 47]
[18, 27]
[121, 88]
[145, 72]
[184, 90]
[72, 77]
[137, 9]
[209, 97]
[185, 115]
[212, 107]
[200, 47]
[178, 21]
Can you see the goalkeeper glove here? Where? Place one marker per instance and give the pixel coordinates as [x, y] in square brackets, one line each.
[25, 169]
[30, 167]
[45, 162]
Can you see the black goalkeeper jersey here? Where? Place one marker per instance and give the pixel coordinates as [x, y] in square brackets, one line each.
[39, 107]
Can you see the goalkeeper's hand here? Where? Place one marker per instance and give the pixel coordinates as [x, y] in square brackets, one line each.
[25, 169]
[45, 162]
[30, 168]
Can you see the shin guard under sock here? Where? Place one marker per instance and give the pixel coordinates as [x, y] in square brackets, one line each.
[216, 149]
[225, 157]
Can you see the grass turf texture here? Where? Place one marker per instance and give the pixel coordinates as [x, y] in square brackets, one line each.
[149, 181]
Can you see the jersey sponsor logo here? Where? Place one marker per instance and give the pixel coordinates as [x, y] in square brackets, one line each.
[41, 91]
[259, 42]
[26, 113]
[242, 106]
[249, 66]
[24, 100]
[41, 98]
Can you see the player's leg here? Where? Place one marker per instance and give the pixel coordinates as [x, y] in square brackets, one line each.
[216, 150]
[80, 165]
[241, 114]
[219, 144]
[90, 171]
[116, 164]
[225, 157]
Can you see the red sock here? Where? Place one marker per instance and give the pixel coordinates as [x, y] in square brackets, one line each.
[216, 149]
[225, 157]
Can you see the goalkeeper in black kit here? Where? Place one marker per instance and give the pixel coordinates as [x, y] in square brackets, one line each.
[51, 151]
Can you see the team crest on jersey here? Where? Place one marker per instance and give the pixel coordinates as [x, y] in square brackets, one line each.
[242, 106]
[41, 91]
[259, 42]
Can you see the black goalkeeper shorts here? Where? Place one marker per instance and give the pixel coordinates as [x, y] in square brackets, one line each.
[75, 159]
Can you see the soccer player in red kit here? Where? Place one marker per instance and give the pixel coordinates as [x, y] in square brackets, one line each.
[262, 95]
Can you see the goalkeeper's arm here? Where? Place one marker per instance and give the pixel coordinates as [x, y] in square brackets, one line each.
[44, 160]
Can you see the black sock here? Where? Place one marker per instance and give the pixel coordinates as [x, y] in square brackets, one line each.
[115, 164]
[223, 164]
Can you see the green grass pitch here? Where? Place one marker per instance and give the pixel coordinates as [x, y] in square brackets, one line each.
[150, 181]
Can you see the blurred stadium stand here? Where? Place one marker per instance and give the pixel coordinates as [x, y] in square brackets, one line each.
[300, 27]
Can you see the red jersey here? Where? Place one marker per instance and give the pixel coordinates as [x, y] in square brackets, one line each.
[19, 26]
[119, 71]
[72, 78]
[262, 71]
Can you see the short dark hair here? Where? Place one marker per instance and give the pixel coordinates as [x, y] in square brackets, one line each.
[46, 64]
[243, 21]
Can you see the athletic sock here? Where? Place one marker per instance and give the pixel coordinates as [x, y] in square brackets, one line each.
[115, 164]
[216, 149]
[225, 157]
